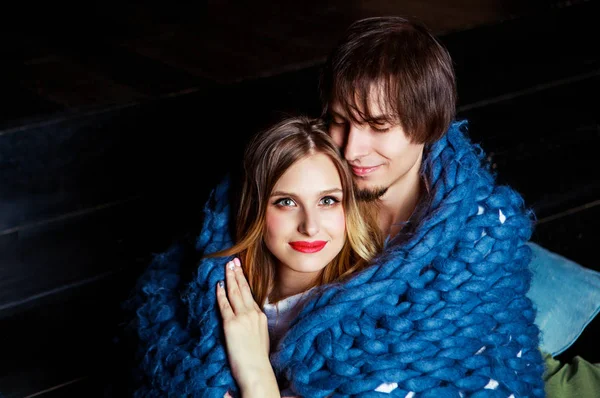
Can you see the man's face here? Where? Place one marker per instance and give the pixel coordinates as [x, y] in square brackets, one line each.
[379, 152]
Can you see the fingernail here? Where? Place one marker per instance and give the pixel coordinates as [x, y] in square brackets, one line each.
[221, 284]
[237, 262]
[231, 265]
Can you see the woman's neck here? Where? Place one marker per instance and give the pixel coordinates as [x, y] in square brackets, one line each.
[289, 283]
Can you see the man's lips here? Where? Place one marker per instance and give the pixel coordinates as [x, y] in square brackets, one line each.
[308, 247]
[362, 171]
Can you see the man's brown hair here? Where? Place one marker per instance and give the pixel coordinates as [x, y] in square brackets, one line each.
[409, 68]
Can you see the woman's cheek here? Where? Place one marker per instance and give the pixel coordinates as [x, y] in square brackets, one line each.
[275, 223]
[337, 222]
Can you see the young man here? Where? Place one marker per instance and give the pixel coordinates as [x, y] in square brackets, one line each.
[389, 93]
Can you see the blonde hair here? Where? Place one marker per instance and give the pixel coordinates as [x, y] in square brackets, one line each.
[267, 157]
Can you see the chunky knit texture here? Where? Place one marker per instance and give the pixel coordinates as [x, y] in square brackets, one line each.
[440, 314]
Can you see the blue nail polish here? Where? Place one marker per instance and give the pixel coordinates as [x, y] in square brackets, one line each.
[221, 284]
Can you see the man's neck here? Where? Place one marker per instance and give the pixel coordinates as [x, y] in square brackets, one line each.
[400, 201]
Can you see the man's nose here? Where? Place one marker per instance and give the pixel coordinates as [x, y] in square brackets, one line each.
[309, 225]
[357, 143]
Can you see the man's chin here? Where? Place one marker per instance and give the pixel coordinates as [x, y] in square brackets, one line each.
[370, 194]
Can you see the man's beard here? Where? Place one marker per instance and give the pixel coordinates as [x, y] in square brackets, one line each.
[370, 194]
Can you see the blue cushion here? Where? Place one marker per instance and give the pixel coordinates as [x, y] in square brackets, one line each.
[567, 297]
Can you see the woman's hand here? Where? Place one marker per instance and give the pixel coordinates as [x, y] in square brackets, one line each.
[246, 335]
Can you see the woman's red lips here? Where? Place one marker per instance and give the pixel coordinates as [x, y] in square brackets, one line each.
[308, 247]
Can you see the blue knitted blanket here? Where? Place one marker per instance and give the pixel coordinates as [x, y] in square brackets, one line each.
[443, 314]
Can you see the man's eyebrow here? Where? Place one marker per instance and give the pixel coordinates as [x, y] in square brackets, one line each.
[325, 192]
[336, 113]
[379, 119]
[374, 119]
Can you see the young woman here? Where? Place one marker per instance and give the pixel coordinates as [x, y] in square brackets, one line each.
[298, 227]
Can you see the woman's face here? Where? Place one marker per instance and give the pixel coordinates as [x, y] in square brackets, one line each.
[305, 222]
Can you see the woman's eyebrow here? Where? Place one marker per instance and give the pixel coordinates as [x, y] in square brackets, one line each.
[325, 192]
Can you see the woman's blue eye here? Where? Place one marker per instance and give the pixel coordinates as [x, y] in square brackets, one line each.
[284, 202]
[329, 201]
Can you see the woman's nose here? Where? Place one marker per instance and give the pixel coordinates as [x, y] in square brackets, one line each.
[309, 225]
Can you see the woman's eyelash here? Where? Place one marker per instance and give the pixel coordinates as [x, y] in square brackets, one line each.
[280, 200]
[334, 199]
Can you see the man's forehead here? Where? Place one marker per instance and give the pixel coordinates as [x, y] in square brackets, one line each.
[375, 96]
[336, 107]
[375, 110]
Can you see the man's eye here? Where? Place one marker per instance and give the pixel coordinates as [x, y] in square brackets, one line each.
[380, 128]
[336, 119]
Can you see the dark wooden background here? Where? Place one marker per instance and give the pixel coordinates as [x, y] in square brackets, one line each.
[118, 118]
